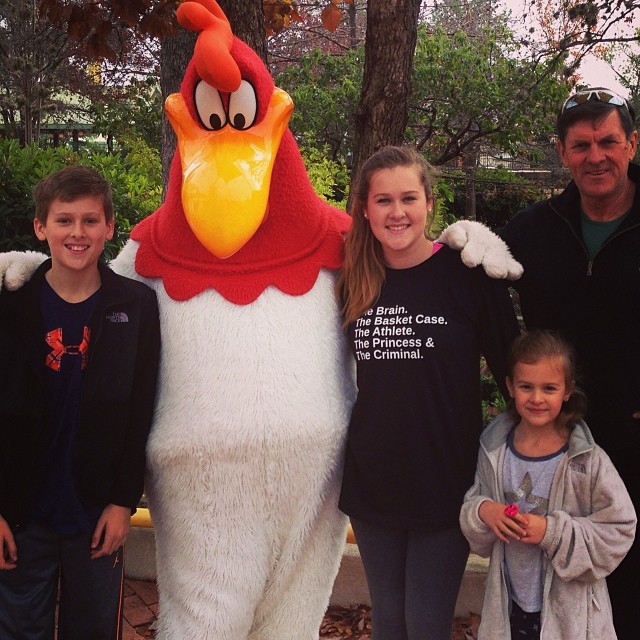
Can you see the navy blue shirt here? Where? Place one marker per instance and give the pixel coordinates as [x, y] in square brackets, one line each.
[66, 353]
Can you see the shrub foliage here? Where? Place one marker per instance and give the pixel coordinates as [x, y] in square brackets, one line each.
[135, 180]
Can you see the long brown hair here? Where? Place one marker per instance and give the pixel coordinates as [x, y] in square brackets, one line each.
[531, 347]
[363, 271]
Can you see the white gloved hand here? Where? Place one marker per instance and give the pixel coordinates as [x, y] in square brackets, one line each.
[17, 267]
[478, 245]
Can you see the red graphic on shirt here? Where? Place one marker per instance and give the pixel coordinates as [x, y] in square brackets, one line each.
[58, 349]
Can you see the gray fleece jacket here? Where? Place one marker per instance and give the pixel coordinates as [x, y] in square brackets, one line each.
[591, 524]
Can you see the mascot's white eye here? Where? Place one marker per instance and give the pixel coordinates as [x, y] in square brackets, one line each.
[243, 106]
[209, 106]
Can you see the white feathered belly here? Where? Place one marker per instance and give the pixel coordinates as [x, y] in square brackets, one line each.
[255, 384]
[244, 382]
[245, 454]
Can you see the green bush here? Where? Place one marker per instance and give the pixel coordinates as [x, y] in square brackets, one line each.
[492, 401]
[136, 181]
[20, 169]
[330, 178]
[442, 216]
[500, 194]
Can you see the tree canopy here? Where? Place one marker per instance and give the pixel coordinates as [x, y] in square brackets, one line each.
[468, 88]
[92, 22]
[464, 89]
[36, 65]
[461, 77]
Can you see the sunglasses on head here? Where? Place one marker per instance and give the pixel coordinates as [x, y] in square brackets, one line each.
[599, 95]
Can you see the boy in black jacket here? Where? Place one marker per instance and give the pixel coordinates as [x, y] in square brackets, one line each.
[80, 349]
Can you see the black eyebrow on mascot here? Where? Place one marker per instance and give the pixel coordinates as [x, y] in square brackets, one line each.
[256, 382]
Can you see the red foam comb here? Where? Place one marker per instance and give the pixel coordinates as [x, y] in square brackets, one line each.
[212, 54]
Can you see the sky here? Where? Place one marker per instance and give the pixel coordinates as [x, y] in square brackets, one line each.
[593, 71]
[596, 72]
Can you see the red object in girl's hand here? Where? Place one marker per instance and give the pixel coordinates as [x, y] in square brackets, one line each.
[511, 510]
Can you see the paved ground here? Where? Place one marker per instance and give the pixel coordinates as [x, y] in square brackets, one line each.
[141, 608]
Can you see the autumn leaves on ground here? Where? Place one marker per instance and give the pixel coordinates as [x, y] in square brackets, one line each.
[355, 622]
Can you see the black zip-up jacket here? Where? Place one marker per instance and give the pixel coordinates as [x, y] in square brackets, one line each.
[594, 303]
[117, 398]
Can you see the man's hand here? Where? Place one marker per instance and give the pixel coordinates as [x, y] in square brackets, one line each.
[17, 267]
[9, 555]
[503, 526]
[478, 245]
[111, 531]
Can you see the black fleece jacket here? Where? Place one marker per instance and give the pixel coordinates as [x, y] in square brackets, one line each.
[594, 303]
[117, 398]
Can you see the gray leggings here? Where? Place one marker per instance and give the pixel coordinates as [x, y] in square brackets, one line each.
[413, 578]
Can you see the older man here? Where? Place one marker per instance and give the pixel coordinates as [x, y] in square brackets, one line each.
[581, 256]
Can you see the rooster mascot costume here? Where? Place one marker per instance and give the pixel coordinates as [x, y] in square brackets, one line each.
[256, 383]
[256, 386]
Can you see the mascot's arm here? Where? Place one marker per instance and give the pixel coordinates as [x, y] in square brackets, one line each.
[478, 245]
[124, 263]
[17, 267]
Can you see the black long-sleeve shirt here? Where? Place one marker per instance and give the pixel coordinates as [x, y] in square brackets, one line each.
[413, 436]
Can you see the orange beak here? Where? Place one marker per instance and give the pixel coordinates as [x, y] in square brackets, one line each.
[226, 174]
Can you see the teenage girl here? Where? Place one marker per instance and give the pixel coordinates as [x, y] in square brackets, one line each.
[547, 505]
[417, 321]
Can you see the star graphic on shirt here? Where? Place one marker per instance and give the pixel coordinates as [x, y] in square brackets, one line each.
[523, 492]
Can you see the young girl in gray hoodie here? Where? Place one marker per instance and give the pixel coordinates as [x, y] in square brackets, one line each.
[547, 505]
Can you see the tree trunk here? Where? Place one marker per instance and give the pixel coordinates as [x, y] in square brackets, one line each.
[353, 25]
[381, 117]
[247, 23]
[175, 54]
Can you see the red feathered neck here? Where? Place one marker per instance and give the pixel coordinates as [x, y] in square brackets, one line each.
[301, 235]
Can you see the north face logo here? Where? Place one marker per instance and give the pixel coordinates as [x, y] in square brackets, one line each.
[118, 316]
